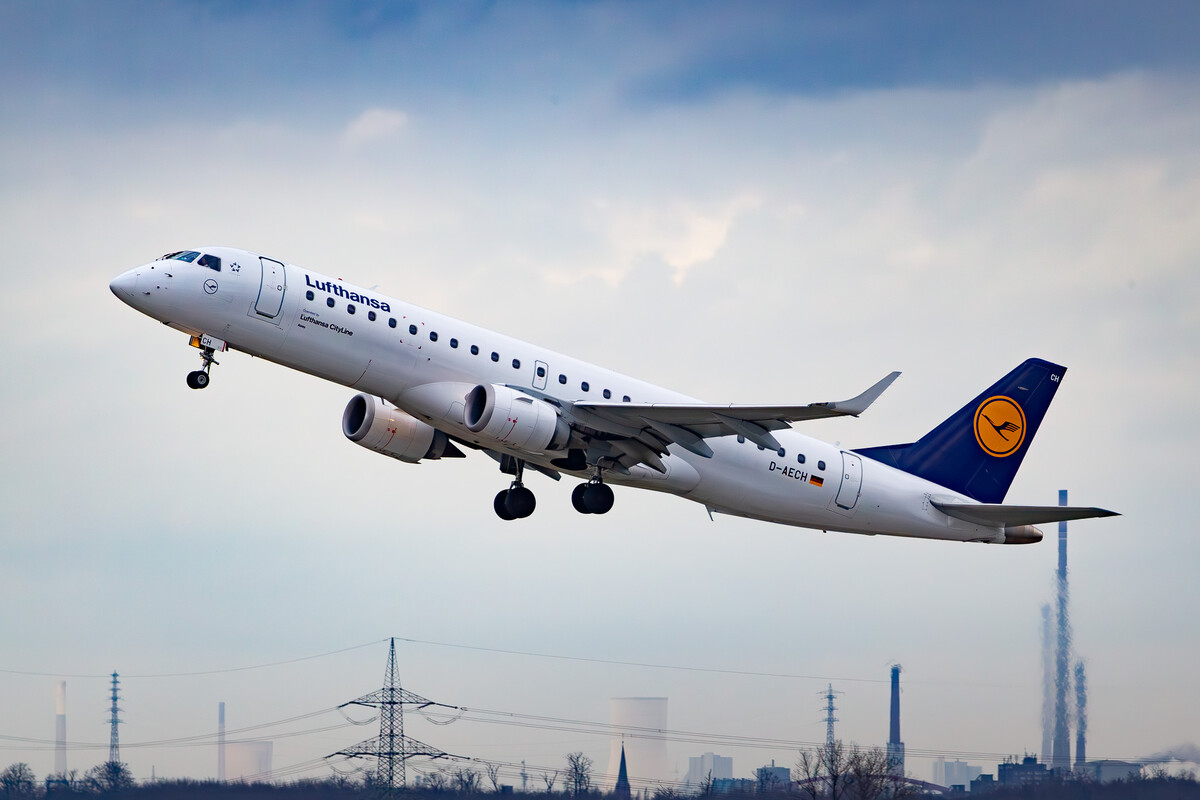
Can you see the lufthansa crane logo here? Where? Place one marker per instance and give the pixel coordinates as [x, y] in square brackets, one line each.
[999, 426]
[210, 286]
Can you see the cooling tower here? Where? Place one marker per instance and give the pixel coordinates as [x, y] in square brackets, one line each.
[641, 720]
[249, 761]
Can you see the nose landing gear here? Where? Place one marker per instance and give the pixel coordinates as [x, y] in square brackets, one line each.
[199, 378]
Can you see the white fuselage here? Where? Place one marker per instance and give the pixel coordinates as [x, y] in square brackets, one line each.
[304, 320]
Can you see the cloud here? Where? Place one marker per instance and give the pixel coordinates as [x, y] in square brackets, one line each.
[374, 125]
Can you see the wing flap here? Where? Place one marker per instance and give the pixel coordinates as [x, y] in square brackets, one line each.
[1000, 515]
[688, 424]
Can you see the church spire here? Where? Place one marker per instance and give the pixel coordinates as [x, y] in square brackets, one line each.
[621, 790]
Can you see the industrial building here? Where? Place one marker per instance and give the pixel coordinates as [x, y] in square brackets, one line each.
[709, 765]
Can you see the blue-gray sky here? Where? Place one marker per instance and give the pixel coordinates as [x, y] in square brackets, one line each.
[775, 202]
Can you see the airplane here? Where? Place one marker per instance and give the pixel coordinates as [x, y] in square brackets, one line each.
[430, 385]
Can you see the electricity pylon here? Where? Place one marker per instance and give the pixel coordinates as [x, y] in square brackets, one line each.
[391, 749]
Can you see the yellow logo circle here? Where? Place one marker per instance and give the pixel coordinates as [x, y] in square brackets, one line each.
[999, 426]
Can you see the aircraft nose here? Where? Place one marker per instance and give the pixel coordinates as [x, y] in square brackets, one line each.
[124, 284]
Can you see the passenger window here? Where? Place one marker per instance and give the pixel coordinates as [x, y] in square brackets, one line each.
[741, 439]
[782, 452]
[329, 302]
[516, 363]
[350, 308]
[495, 356]
[212, 262]
[474, 349]
[308, 294]
[625, 399]
[821, 465]
[584, 386]
[412, 329]
[433, 336]
[562, 379]
[800, 458]
[607, 394]
[391, 322]
[371, 316]
[454, 344]
[541, 372]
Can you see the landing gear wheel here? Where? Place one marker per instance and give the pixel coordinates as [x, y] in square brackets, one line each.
[598, 498]
[577, 498]
[199, 378]
[500, 504]
[520, 502]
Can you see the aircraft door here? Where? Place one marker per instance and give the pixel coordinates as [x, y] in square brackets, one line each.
[540, 372]
[847, 496]
[271, 289]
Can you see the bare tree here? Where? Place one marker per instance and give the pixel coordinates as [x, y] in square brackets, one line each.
[579, 773]
[493, 773]
[437, 780]
[17, 780]
[466, 780]
[834, 771]
[821, 772]
[550, 780]
[869, 777]
[706, 785]
[111, 776]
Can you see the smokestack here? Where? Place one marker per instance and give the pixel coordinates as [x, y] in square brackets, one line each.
[221, 741]
[1047, 683]
[895, 747]
[1081, 712]
[60, 729]
[1062, 723]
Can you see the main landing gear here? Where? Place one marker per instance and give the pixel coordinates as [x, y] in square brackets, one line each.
[593, 497]
[199, 378]
[515, 502]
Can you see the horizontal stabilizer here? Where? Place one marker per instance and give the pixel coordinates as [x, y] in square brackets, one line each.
[997, 515]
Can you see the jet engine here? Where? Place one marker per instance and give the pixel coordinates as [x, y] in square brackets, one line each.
[515, 419]
[376, 426]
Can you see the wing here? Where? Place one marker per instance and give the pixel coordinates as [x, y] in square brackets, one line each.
[653, 426]
[997, 515]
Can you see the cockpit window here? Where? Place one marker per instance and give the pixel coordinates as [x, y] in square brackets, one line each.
[212, 262]
[185, 255]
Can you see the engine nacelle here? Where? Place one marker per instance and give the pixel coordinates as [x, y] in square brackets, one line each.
[367, 421]
[515, 419]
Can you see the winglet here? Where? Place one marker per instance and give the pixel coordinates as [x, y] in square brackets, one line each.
[857, 405]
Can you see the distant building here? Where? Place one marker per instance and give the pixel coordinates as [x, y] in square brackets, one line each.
[1027, 772]
[701, 767]
[983, 783]
[954, 773]
[727, 785]
[1108, 770]
[772, 778]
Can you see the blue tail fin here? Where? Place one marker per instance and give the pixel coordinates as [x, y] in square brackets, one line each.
[978, 450]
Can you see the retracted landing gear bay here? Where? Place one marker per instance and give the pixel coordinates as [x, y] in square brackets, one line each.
[515, 502]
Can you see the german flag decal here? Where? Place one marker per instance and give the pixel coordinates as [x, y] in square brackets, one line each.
[816, 481]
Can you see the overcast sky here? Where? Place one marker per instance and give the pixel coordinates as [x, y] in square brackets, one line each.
[765, 202]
